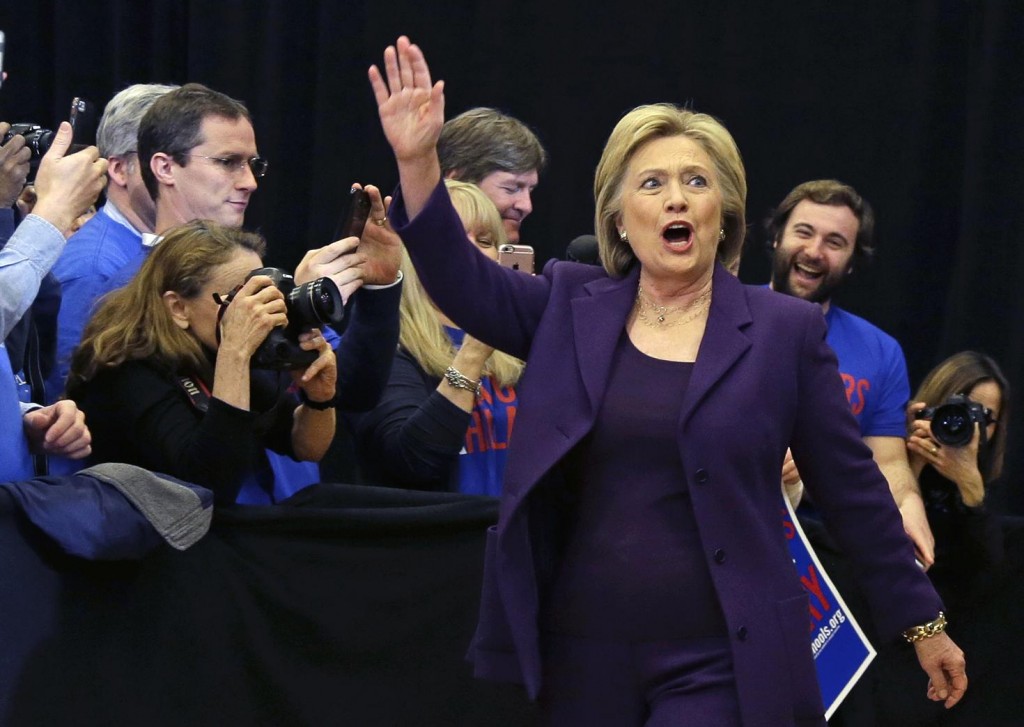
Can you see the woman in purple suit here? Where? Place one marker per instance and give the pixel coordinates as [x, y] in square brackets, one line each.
[638, 573]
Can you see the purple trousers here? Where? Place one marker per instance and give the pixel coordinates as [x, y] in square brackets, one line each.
[619, 683]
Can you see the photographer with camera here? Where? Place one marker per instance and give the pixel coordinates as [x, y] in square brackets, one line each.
[199, 160]
[67, 184]
[956, 442]
[165, 368]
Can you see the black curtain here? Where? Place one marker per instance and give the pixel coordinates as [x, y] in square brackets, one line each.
[916, 104]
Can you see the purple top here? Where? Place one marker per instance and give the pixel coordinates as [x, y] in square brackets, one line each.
[634, 567]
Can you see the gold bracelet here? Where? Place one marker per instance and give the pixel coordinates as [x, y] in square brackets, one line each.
[459, 380]
[925, 631]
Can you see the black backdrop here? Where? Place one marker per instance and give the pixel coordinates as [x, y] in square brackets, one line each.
[917, 104]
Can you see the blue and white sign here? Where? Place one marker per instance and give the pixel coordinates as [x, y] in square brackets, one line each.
[841, 651]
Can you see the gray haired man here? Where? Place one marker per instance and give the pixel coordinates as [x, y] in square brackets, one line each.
[112, 240]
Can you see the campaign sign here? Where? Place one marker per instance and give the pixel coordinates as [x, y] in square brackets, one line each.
[841, 651]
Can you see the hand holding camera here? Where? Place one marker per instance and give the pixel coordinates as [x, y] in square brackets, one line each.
[948, 437]
[254, 310]
[306, 306]
[320, 379]
[67, 185]
[14, 165]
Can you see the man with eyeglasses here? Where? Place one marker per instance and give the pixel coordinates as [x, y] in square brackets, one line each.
[199, 160]
[110, 246]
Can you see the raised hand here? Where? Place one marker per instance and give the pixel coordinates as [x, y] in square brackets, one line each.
[67, 184]
[379, 243]
[411, 110]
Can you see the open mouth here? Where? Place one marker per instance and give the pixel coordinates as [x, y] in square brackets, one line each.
[808, 273]
[677, 233]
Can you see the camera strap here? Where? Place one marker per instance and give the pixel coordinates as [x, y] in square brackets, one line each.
[197, 392]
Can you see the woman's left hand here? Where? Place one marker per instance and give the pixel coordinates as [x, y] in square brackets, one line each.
[319, 380]
[957, 464]
[943, 662]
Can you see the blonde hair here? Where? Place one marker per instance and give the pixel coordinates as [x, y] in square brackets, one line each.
[133, 323]
[422, 334]
[655, 121]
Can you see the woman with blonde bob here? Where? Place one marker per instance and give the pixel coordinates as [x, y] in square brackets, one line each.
[163, 369]
[638, 573]
[446, 415]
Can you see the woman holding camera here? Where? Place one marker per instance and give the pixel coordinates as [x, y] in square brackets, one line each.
[954, 471]
[163, 371]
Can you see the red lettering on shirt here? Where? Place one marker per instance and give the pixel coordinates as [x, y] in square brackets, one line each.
[505, 394]
[492, 440]
[475, 431]
[855, 389]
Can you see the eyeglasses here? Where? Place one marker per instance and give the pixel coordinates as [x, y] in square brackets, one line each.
[235, 164]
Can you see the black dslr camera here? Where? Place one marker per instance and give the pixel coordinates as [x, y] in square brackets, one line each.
[311, 305]
[37, 139]
[953, 422]
[83, 122]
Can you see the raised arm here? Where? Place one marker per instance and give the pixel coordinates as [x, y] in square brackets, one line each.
[411, 110]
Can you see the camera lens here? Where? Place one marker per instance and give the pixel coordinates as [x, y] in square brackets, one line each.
[317, 302]
[952, 425]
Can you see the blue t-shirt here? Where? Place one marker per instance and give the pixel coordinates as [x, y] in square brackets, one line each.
[15, 460]
[874, 373]
[481, 463]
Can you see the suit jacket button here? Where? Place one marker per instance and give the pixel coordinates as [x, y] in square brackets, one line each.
[741, 633]
[719, 556]
[701, 476]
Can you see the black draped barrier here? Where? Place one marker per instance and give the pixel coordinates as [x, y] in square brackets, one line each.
[346, 605]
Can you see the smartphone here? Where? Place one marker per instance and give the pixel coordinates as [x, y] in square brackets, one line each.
[353, 219]
[517, 257]
[83, 121]
[3, 41]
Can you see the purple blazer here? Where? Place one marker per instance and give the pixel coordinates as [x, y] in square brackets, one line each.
[764, 380]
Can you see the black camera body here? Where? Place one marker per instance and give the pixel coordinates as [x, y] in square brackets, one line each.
[311, 305]
[953, 421]
[37, 139]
